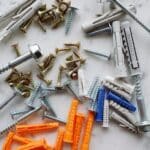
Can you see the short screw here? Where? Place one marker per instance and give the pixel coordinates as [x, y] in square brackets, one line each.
[70, 16]
[16, 49]
[107, 29]
[57, 50]
[107, 56]
[58, 85]
[45, 115]
[33, 53]
[77, 45]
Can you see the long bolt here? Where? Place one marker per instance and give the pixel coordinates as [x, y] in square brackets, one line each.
[131, 15]
[11, 126]
[34, 52]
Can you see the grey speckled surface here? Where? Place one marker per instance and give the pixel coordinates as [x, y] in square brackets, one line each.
[115, 137]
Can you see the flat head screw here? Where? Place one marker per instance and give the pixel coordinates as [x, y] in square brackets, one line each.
[34, 52]
[77, 45]
[16, 49]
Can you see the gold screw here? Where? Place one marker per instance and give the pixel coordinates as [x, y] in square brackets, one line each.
[16, 49]
[74, 70]
[77, 45]
[26, 25]
[58, 85]
[57, 50]
[41, 77]
[76, 60]
[69, 58]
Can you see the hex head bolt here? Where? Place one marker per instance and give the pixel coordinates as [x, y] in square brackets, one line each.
[34, 52]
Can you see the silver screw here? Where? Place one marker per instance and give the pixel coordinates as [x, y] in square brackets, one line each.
[70, 16]
[67, 86]
[2, 105]
[105, 55]
[11, 126]
[45, 115]
[34, 52]
[107, 29]
[131, 15]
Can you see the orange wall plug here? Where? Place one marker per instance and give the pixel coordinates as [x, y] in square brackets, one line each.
[68, 136]
[27, 129]
[79, 120]
[87, 132]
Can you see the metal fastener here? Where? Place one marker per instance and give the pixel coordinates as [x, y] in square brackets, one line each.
[106, 29]
[11, 126]
[77, 45]
[57, 50]
[69, 18]
[16, 49]
[34, 52]
[105, 55]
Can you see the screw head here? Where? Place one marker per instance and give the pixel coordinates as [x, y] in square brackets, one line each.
[35, 51]
[144, 126]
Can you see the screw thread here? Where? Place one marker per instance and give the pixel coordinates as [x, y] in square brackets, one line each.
[5, 68]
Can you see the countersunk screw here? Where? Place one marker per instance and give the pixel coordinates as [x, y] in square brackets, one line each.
[107, 29]
[16, 49]
[57, 50]
[70, 16]
[34, 52]
[77, 45]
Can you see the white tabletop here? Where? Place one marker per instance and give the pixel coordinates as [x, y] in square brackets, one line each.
[114, 137]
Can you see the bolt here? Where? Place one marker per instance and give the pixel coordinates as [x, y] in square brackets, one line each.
[131, 15]
[107, 29]
[69, 18]
[33, 53]
[45, 115]
[57, 50]
[105, 55]
[16, 49]
[77, 45]
[9, 100]
[26, 25]
[9, 127]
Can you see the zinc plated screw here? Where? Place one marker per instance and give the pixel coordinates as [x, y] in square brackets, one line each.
[11, 126]
[16, 49]
[34, 52]
[107, 56]
[70, 16]
[131, 15]
[107, 29]
[45, 115]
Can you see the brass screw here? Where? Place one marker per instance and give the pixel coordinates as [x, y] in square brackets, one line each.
[41, 77]
[57, 50]
[76, 60]
[78, 56]
[58, 85]
[63, 6]
[37, 19]
[16, 49]
[26, 25]
[74, 70]
[69, 58]
[77, 45]
[57, 22]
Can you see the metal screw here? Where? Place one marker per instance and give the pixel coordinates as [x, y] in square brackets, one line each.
[67, 86]
[45, 115]
[131, 15]
[105, 55]
[9, 100]
[58, 85]
[57, 50]
[33, 53]
[16, 49]
[69, 18]
[11, 126]
[107, 29]
[26, 25]
[77, 45]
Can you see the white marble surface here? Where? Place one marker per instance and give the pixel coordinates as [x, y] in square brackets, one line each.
[115, 137]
